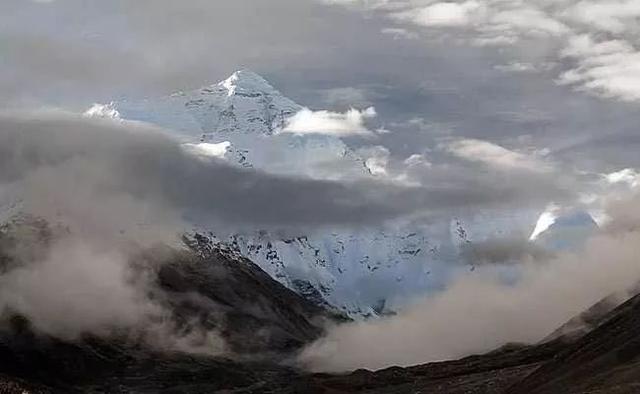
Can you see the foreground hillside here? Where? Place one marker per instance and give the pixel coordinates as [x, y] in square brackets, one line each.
[603, 361]
[263, 325]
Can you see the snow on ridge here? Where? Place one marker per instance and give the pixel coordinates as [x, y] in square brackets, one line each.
[247, 81]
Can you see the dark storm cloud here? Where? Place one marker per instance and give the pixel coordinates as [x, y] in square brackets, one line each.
[66, 156]
[96, 49]
[152, 167]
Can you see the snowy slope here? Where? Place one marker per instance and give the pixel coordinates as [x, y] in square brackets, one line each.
[364, 272]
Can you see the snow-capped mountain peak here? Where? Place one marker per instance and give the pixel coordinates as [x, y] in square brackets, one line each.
[246, 113]
[567, 229]
[246, 82]
[244, 103]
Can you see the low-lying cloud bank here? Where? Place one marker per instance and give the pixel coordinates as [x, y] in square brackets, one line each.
[69, 284]
[483, 310]
[60, 157]
[116, 187]
[61, 161]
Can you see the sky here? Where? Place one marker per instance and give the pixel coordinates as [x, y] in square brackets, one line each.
[551, 80]
[459, 94]
[561, 77]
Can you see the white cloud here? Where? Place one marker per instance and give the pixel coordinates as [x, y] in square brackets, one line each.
[399, 33]
[351, 122]
[417, 160]
[491, 22]
[444, 14]
[608, 68]
[524, 67]
[598, 36]
[204, 149]
[516, 67]
[489, 41]
[496, 156]
[628, 176]
[529, 21]
[610, 16]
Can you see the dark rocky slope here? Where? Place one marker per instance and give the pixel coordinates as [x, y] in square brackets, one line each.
[261, 321]
[264, 323]
[606, 360]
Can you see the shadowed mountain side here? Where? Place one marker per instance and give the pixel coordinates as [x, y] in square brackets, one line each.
[606, 360]
[258, 318]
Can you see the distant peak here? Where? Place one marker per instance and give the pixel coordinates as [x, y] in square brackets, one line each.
[247, 81]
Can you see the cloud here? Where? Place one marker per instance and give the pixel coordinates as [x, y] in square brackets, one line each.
[141, 49]
[503, 251]
[496, 156]
[99, 174]
[205, 149]
[60, 292]
[482, 311]
[400, 33]
[529, 20]
[78, 159]
[56, 277]
[348, 123]
[605, 64]
[490, 22]
[627, 176]
[611, 16]
[516, 67]
[520, 67]
[110, 183]
[609, 68]
[444, 14]
[416, 160]
[348, 96]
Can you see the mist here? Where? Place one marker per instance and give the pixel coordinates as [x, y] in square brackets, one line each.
[482, 310]
[114, 188]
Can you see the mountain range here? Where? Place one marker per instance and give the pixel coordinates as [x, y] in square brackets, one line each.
[264, 325]
[364, 272]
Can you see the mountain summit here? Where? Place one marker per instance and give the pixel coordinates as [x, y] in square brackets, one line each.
[246, 82]
[245, 103]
